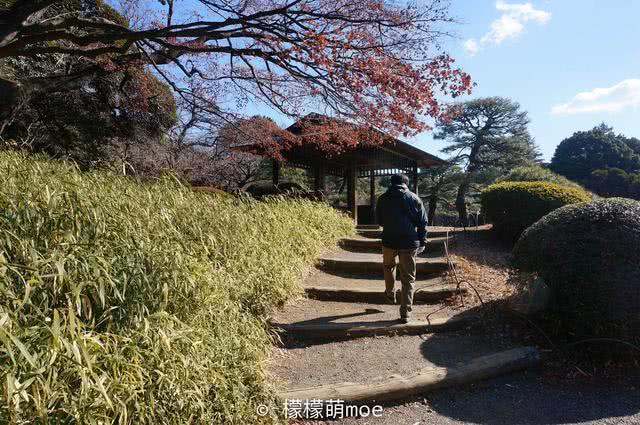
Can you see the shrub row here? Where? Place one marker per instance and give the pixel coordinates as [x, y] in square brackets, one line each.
[538, 173]
[514, 206]
[141, 303]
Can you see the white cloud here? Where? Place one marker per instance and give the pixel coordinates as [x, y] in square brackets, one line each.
[625, 94]
[471, 46]
[524, 12]
[502, 29]
[508, 26]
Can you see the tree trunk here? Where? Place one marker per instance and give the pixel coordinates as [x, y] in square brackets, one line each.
[433, 206]
[9, 95]
[461, 202]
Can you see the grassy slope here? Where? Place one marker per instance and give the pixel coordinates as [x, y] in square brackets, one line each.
[141, 303]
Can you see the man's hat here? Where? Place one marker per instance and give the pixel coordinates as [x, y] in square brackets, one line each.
[398, 179]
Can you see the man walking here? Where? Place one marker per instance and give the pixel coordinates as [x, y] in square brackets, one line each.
[404, 235]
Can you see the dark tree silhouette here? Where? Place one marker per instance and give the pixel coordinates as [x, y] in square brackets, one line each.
[439, 185]
[578, 156]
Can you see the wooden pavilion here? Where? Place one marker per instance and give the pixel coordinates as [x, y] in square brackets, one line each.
[390, 157]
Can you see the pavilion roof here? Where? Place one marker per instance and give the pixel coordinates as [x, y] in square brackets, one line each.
[388, 156]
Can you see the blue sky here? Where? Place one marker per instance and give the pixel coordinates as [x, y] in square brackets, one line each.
[575, 47]
[550, 56]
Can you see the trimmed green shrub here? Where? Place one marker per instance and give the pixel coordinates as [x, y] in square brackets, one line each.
[514, 206]
[142, 303]
[589, 254]
[530, 173]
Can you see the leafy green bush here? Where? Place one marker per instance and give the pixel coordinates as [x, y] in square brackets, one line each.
[615, 182]
[531, 173]
[589, 255]
[514, 206]
[141, 303]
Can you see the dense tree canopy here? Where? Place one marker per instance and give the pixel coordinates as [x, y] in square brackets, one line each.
[615, 182]
[605, 162]
[83, 123]
[484, 135]
[82, 120]
[576, 157]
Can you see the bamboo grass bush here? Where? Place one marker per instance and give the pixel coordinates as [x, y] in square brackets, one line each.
[123, 302]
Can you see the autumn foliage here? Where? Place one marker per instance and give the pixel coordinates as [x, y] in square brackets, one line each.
[373, 62]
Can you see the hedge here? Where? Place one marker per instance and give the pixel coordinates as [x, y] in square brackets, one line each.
[589, 254]
[514, 206]
[529, 173]
[137, 303]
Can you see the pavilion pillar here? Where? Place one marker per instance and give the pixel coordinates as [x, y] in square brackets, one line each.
[275, 172]
[372, 196]
[352, 204]
[318, 178]
[414, 180]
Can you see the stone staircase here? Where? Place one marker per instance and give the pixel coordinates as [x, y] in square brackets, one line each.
[345, 309]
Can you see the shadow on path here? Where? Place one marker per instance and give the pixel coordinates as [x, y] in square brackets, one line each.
[525, 398]
[533, 397]
[290, 341]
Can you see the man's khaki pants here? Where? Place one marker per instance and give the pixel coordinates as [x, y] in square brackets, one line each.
[407, 266]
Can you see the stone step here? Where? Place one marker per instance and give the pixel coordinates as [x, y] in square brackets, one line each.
[367, 227]
[334, 287]
[363, 244]
[432, 294]
[427, 379]
[370, 264]
[336, 330]
[370, 233]
[432, 232]
[342, 319]
[352, 281]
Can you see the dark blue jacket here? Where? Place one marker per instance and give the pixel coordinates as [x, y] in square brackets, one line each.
[402, 217]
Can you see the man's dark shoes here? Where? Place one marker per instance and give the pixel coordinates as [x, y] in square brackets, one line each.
[404, 320]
